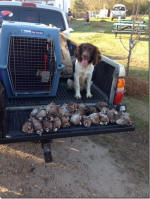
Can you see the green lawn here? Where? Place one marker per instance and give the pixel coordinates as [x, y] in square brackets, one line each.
[99, 32]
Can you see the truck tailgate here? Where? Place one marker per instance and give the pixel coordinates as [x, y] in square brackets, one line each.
[18, 111]
[15, 120]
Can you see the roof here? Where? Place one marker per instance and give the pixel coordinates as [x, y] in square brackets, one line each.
[119, 5]
[38, 5]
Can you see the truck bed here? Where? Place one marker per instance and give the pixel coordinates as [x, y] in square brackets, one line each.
[18, 111]
[63, 96]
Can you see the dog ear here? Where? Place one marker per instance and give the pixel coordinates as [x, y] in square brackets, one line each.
[96, 56]
[78, 52]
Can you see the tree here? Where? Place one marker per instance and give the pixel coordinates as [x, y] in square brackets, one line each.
[79, 6]
[132, 42]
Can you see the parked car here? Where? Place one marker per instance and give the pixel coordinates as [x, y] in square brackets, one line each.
[119, 10]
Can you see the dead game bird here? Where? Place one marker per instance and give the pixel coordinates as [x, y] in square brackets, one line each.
[104, 120]
[104, 110]
[95, 118]
[72, 107]
[82, 109]
[52, 109]
[92, 109]
[65, 122]
[76, 119]
[124, 119]
[41, 114]
[112, 115]
[34, 112]
[101, 105]
[27, 127]
[63, 110]
[47, 125]
[37, 126]
[56, 124]
[86, 121]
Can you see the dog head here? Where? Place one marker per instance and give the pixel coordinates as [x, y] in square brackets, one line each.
[87, 53]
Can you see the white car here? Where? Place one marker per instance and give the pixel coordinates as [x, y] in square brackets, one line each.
[119, 10]
[36, 13]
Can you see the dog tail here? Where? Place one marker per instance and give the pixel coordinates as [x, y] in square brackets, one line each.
[70, 84]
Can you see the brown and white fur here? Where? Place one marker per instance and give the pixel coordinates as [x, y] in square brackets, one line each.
[87, 56]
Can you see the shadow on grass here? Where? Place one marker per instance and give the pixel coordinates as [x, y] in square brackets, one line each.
[96, 26]
[99, 26]
[144, 39]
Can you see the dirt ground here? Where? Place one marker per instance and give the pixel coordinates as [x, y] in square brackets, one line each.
[136, 87]
[94, 166]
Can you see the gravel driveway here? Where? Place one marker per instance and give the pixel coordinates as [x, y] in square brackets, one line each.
[80, 168]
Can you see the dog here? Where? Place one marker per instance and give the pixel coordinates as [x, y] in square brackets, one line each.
[87, 56]
[2, 113]
[65, 56]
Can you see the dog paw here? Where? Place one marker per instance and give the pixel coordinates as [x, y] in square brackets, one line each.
[88, 95]
[78, 96]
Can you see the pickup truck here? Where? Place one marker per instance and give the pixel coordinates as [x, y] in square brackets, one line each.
[21, 96]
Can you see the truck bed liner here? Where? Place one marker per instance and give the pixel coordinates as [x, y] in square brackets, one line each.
[63, 96]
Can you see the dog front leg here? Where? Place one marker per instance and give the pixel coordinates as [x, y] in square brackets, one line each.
[88, 89]
[77, 87]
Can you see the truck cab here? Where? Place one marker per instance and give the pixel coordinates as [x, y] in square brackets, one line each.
[36, 13]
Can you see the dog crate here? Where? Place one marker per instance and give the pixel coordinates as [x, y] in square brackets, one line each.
[30, 59]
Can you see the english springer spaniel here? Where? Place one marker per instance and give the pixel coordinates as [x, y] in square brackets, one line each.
[87, 56]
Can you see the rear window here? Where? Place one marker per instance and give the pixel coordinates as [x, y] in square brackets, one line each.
[35, 15]
[119, 8]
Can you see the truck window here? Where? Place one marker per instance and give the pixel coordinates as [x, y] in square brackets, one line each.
[13, 9]
[119, 8]
[28, 15]
[52, 17]
[35, 15]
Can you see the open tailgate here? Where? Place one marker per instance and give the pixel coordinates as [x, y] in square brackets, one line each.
[18, 111]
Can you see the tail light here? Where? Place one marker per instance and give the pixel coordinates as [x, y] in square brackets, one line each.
[28, 4]
[119, 91]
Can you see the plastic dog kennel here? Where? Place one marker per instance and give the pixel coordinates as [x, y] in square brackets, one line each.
[30, 62]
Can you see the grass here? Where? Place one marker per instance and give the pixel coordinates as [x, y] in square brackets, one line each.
[139, 110]
[99, 32]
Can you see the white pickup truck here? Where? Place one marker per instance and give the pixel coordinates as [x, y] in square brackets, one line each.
[108, 77]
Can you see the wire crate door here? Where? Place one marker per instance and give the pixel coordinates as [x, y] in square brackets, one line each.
[31, 64]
